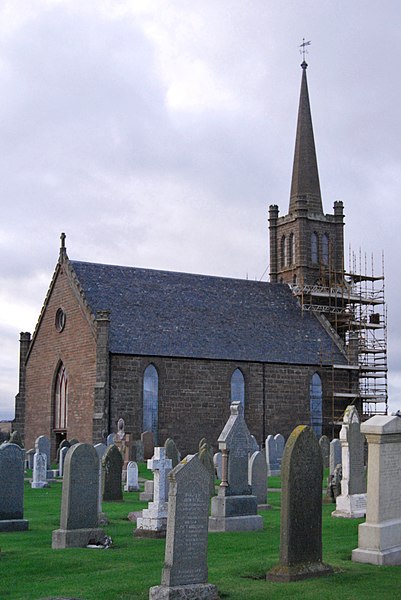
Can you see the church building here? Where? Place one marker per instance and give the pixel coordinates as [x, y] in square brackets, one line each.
[169, 351]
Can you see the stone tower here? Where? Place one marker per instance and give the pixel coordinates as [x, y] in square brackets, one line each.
[306, 246]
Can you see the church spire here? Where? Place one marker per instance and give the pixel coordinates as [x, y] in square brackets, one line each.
[305, 175]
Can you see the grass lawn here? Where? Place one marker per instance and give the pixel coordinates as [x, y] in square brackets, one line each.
[30, 569]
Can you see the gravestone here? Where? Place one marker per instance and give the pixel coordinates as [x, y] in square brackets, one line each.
[137, 451]
[335, 455]
[235, 508]
[205, 455]
[217, 464]
[257, 477]
[334, 484]
[147, 440]
[254, 446]
[379, 538]
[79, 502]
[172, 452]
[147, 494]
[132, 477]
[42, 445]
[15, 438]
[272, 459]
[352, 501]
[110, 439]
[120, 435]
[100, 451]
[61, 459]
[73, 442]
[301, 510]
[112, 463]
[280, 443]
[153, 522]
[12, 488]
[63, 444]
[185, 572]
[29, 458]
[39, 472]
[324, 444]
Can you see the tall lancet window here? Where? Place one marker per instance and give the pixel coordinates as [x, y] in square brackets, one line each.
[291, 249]
[284, 257]
[150, 400]
[313, 248]
[238, 387]
[316, 408]
[325, 249]
[61, 399]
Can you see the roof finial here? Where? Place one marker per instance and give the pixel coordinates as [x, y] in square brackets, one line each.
[63, 251]
[304, 51]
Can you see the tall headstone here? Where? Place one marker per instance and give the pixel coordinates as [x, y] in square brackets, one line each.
[257, 477]
[110, 439]
[335, 455]
[120, 435]
[185, 572]
[112, 463]
[205, 455]
[324, 444]
[39, 470]
[137, 451]
[61, 459]
[280, 443]
[29, 458]
[352, 501]
[63, 444]
[235, 508]
[153, 522]
[301, 510]
[147, 439]
[100, 451]
[172, 452]
[132, 484]
[147, 494]
[272, 459]
[42, 445]
[12, 488]
[79, 502]
[379, 538]
[217, 464]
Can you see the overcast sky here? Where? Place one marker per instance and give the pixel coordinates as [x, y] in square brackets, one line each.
[156, 133]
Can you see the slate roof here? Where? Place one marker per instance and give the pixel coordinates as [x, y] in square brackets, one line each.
[160, 313]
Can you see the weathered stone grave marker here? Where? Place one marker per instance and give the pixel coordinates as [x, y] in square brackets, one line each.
[12, 488]
[172, 452]
[257, 477]
[206, 457]
[132, 484]
[39, 473]
[147, 439]
[112, 475]
[324, 444]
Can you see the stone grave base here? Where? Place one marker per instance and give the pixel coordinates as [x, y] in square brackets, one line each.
[350, 507]
[131, 488]
[244, 523]
[149, 533]
[39, 484]
[264, 507]
[284, 574]
[14, 525]
[197, 591]
[76, 538]
[379, 544]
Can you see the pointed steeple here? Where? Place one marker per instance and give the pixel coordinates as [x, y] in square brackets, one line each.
[305, 175]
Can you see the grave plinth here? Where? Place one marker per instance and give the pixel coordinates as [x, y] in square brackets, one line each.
[379, 538]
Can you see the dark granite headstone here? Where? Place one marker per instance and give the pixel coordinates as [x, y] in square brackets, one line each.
[63, 444]
[147, 439]
[324, 444]
[301, 509]
[12, 488]
[79, 502]
[112, 475]
[172, 452]
[185, 566]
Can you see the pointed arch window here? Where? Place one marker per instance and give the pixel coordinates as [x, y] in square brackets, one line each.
[314, 248]
[284, 257]
[291, 249]
[238, 387]
[150, 400]
[325, 249]
[316, 404]
[61, 399]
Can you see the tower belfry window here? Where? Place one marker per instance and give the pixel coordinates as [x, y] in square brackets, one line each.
[314, 248]
[291, 249]
[325, 249]
[284, 256]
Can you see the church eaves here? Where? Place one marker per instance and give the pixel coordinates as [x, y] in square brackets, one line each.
[305, 175]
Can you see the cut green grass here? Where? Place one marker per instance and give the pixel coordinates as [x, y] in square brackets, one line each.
[238, 562]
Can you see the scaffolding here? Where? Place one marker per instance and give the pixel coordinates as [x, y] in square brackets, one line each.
[353, 306]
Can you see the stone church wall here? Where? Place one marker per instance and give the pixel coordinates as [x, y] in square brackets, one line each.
[77, 352]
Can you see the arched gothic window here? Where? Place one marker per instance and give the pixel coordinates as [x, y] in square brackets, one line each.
[316, 409]
[313, 246]
[291, 249]
[61, 399]
[283, 251]
[325, 249]
[150, 400]
[238, 387]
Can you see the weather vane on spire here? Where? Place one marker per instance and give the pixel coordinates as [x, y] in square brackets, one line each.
[303, 49]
